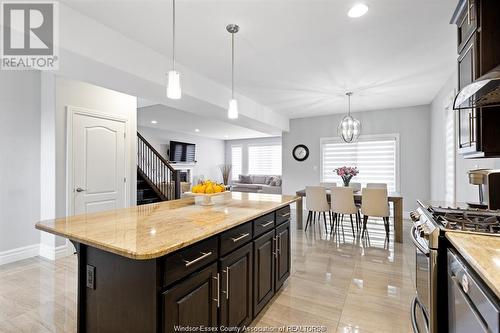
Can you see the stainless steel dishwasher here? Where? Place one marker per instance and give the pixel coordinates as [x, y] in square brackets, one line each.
[471, 307]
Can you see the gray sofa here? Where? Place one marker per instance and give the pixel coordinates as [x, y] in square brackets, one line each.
[257, 184]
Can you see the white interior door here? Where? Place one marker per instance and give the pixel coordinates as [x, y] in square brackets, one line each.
[98, 154]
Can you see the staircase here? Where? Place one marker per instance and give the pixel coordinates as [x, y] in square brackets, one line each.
[157, 180]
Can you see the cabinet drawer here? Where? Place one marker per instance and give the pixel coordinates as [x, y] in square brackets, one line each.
[282, 215]
[263, 224]
[183, 262]
[235, 238]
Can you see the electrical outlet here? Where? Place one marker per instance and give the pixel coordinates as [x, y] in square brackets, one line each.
[90, 277]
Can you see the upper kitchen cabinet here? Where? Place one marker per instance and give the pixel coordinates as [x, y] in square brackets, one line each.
[478, 36]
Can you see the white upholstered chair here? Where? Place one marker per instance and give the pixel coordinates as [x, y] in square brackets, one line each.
[328, 184]
[316, 202]
[355, 186]
[376, 185]
[343, 204]
[374, 203]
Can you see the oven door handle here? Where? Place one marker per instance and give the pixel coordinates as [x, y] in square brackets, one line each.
[414, 324]
[417, 243]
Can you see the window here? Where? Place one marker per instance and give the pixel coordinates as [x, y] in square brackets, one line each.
[450, 154]
[236, 156]
[264, 160]
[375, 157]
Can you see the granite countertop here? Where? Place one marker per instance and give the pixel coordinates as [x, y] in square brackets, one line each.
[482, 253]
[151, 231]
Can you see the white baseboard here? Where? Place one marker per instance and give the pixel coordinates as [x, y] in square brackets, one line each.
[19, 253]
[53, 252]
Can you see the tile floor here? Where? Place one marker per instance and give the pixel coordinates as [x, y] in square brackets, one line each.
[341, 283]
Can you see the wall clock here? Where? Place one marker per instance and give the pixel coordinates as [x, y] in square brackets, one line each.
[300, 153]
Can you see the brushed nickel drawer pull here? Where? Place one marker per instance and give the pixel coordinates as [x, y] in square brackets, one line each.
[275, 245]
[267, 224]
[227, 282]
[286, 215]
[194, 261]
[240, 237]
[218, 290]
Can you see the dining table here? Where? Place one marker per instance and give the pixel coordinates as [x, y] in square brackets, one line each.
[393, 197]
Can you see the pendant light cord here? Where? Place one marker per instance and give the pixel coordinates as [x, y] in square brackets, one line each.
[232, 65]
[173, 34]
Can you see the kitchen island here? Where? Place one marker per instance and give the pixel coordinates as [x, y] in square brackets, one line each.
[179, 265]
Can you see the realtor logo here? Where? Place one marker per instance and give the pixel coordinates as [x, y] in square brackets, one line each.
[29, 35]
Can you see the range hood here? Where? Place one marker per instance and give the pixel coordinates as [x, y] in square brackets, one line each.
[484, 92]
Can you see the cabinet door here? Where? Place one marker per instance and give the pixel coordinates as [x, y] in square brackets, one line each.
[283, 254]
[192, 302]
[263, 278]
[467, 72]
[236, 287]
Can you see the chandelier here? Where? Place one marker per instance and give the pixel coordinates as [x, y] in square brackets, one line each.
[349, 128]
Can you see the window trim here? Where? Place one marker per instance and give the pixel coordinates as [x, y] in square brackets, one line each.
[369, 137]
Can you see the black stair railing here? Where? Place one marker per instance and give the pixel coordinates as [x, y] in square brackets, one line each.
[157, 171]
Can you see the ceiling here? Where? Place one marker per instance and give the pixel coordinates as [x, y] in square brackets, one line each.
[299, 57]
[171, 119]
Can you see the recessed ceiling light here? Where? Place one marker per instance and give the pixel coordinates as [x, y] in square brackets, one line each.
[196, 130]
[226, 136]
[154, 122]
[357, 10]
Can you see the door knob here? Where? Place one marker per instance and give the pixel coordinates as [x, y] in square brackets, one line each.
[79, 189]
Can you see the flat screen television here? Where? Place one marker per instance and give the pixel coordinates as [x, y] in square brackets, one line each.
[182, 152]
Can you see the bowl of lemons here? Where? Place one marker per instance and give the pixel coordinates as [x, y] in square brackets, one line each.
[207, 190]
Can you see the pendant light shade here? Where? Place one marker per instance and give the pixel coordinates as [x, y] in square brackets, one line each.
[232, 111]
[349, 128]
[174, 85]
[174, 78]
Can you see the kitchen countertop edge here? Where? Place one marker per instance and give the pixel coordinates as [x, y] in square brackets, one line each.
[164, 251]
[457, 239]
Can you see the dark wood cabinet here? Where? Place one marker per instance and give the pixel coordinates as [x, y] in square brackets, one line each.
[264, 263]
[224, 280]
[283, 257]
[236, 274]
[478, 34]
[192, 302]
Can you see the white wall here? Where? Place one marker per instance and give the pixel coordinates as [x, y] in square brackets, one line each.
[244, 143]
[20, 160]
[80, 94]
[209, 152]
[464, 191]
[411, 123]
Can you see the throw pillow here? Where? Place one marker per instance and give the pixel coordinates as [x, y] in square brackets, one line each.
[278, 181]
[245, 179]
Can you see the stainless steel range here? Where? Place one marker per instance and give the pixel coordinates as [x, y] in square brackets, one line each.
[430, 307]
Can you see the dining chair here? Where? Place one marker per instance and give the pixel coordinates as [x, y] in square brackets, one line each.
[375, 203]
[342, 204]
[376, 185]
[355, 186]
[316, 202]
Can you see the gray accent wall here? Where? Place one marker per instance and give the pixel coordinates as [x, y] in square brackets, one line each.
[20, 159]
[412, 125]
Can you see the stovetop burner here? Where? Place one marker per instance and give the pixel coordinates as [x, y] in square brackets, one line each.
[469, 221]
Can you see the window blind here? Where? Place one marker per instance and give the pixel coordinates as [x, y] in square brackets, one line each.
[264, 160]
[375, 158]
[236, 157]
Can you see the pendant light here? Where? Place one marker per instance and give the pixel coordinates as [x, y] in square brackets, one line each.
[349, 128]
[174, 79]
[232, 111]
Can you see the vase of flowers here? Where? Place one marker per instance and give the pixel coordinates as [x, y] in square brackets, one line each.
[346, 173]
